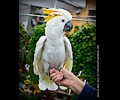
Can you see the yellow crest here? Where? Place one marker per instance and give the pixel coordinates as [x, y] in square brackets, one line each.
[51, 13]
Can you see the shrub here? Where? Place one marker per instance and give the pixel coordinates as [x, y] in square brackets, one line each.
[23, 42]
[83, 43]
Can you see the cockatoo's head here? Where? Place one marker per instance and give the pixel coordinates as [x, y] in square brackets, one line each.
[59, 19]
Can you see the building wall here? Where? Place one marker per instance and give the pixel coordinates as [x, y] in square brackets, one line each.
[91, 4]
[23, 8]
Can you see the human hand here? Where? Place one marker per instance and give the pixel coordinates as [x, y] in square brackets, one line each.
[67, 78]
[62, 77]
[56, 76]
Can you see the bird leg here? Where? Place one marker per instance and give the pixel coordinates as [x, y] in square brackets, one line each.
[60, 66]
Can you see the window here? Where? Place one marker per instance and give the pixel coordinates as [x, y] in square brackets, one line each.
[92, 16]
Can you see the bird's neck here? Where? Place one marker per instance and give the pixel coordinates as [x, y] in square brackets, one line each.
[55, 42]
[54, 35]
[55, 38]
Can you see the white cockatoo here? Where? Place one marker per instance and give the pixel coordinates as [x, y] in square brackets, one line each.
[54, 49]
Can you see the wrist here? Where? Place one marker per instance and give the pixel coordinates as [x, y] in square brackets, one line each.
[76, 87]
[79, 84]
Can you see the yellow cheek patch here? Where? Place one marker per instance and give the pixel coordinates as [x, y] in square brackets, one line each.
[51, 13]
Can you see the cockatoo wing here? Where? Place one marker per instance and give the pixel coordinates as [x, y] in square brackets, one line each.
[44, 79]
[68, 58]
[38, 54]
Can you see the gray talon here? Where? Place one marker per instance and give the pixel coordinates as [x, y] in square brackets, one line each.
[59, 69]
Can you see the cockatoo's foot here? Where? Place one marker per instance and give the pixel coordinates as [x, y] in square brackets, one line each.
[50, 78]
[60, 68]
[48, 73]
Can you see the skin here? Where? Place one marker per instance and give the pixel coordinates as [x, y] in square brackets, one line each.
[68, 79]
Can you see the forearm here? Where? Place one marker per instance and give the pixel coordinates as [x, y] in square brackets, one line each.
[77, 88]
[88, 93]
[78, 84]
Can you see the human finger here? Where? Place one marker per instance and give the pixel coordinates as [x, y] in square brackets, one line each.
[52, 70]
[53, 74]
[57, 77]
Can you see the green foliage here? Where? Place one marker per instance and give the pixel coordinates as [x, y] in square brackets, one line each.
[74, 96]
[28, 81]
[83, 43]
[23, 41]
[38, 31]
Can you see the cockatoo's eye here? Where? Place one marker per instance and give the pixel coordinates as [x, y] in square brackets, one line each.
[63, 20]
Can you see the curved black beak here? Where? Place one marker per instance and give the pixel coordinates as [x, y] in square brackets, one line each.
[68, 26]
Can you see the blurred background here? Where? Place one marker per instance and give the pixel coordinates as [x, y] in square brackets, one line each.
[30, 11]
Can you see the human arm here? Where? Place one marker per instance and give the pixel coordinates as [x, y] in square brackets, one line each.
[88, 93]
[68, 79]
